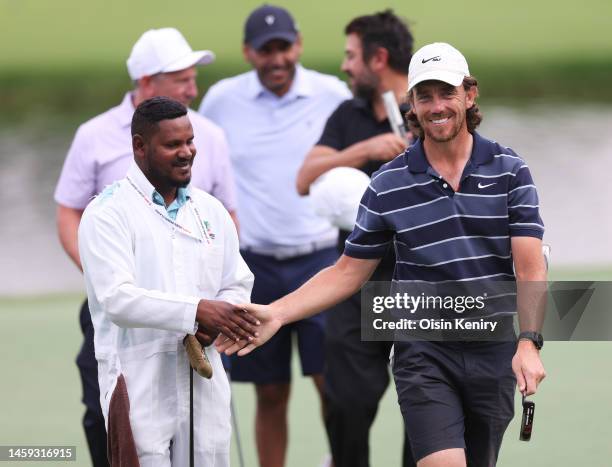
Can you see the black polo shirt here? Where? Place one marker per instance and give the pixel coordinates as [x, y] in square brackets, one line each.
[354, 121]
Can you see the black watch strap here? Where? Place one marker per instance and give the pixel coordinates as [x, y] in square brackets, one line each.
[534, 337]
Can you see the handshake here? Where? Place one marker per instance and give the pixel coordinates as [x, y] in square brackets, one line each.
[217, 318]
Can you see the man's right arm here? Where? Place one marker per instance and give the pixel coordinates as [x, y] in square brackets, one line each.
[68, 220]
[327, 288]
[75, 188]
[105, 247]
[323, 158]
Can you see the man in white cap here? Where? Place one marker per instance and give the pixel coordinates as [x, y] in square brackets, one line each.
[161, 64]
[460, 210]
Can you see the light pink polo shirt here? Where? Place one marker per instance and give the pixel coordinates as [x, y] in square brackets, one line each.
[101, 153]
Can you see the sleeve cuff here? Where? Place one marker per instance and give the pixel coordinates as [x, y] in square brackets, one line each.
[72, 204]
[335, 145]
[190, 326]
[526, 232]
[365, 252]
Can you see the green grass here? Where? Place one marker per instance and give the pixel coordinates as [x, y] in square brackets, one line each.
[582, 273]
[40, 392]
[69, 56]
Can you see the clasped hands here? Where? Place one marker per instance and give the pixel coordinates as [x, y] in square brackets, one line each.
[218, 319]
[234, 328]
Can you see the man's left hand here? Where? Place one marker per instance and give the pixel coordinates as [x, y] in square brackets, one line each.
[527, 367]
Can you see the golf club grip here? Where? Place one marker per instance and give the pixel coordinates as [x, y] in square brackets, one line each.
[393, 114]
[197, 357]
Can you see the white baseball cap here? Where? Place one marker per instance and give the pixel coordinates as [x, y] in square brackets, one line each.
[438, 61]
[336, 194]
[163, 51]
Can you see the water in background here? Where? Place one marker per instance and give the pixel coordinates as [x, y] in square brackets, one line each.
[568, 149]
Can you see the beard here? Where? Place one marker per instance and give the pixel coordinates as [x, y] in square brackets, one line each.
[364, 91]
[164, 177]
[365, 86]
[454, 131]
[183, 182]
[180, 184]
[274, 86]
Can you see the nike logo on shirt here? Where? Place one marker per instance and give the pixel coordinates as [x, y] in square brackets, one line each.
[481, 186]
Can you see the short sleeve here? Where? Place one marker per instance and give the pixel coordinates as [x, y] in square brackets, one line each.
[77, 182]
[523, 205]
[371, 235]
[334, 130]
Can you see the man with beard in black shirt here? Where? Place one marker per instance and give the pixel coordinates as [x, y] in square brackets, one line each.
[358, 134]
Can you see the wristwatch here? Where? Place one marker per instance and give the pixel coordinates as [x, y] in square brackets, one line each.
[534, 337]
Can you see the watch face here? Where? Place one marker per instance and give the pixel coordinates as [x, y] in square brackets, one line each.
[538, 340]
[534, 337]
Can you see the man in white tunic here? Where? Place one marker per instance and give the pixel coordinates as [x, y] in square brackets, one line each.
[161, 261]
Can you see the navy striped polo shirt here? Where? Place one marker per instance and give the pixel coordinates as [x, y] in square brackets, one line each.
[441, 235]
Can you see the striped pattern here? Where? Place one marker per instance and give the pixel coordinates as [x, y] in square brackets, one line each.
[441, 235]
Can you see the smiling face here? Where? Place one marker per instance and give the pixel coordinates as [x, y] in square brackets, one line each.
[178, 85]
[275, 63]
[166, 155]
[362, 80]
[441, 108]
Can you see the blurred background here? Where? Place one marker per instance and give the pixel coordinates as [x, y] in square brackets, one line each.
[545, 75]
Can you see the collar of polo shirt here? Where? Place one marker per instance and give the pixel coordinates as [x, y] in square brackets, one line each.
[417, 161]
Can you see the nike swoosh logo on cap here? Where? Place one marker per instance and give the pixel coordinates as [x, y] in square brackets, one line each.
[481, 186]
[437, 58]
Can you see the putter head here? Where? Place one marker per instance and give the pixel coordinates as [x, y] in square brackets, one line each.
[197, 357]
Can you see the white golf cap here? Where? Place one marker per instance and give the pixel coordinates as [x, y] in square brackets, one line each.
[336, 194]
[438, 61]
[163, 51]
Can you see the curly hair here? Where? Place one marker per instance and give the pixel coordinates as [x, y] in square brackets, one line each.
[384, 29]
[473, 116]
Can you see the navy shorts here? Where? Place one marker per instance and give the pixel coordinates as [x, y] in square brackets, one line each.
[456, 395]
[274, 278]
